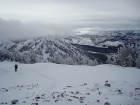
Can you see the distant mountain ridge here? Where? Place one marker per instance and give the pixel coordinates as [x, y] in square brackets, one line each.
[82, 49]
[107, 38]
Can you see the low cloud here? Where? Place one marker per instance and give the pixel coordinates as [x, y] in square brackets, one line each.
[15, 29]
[91, 31]
[35, 18]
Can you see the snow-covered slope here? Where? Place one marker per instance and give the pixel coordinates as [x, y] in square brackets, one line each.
[45, 49]
[53, 84]
[91, 40]
[79, 40]
[111, 43]
[5, 43]
[61, 49]
[107, 38]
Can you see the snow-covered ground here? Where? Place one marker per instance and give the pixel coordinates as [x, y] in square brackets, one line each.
[55, 84]
[109, 43]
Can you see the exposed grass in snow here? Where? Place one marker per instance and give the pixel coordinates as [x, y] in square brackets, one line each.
[53, 84]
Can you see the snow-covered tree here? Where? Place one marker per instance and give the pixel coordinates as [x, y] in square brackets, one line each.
[111, 59]
[138, 62]
[127, 55]
[69, 61]
[57, 59]
[95, 62]
[33, 57]
[129, 60]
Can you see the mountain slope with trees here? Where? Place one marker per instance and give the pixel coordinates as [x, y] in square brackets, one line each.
[45, 49]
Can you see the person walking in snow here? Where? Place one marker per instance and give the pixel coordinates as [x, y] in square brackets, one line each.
[16, 66]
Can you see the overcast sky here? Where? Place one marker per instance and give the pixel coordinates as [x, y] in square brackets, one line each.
[24, 18]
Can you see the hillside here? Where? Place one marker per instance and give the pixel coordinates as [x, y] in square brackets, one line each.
[106, 38]
[53, 84]
[73, 50]
[43, 49]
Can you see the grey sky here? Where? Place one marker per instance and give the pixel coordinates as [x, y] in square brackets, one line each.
[42, 17]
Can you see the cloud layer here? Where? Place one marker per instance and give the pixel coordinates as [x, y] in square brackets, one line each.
[14, 29]
[33, 18]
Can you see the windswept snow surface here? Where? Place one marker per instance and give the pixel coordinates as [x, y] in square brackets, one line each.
[54, 84]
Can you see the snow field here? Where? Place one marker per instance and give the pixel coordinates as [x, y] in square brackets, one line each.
[51, 84]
